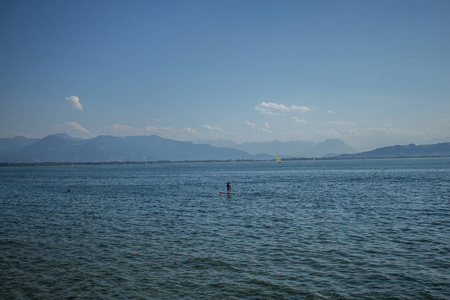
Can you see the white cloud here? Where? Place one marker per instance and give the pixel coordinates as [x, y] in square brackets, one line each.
[275, 106]
[208, 127]
[156, 129]
[297, 120]
[189, 131]
[271, 108]
[74, 101]
[266, 130]
[267, 125]
[151, 129]
[331, 112]
[250, 123]
[301, 109]
[341, 123]
[77, 127]
[118, 128]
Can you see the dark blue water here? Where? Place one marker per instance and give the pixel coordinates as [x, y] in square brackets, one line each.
[351, 229]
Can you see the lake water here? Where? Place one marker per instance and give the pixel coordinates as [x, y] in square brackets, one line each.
[347, 229]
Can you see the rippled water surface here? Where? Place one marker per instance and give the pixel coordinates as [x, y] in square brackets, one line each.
[351, 229]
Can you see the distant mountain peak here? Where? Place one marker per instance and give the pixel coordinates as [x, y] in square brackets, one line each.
[63, 136]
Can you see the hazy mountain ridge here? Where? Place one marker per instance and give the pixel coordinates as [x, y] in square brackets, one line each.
[439, 140]
[411, 150]
[289, 149]
[8, 146]
[63, 148]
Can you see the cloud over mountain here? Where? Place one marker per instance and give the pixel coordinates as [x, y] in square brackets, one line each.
[119, 128]
[77, 127]
[272, 108]
[188, 131]
[209, 127]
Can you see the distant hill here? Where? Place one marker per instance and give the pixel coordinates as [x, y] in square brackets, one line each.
[12, 145]
[63, 148]
[284, 149]
[289, 149]
[439, 140]
[328, 146]
[411, 150]
[221, 143]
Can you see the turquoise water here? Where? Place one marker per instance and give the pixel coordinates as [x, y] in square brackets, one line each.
[350, 229]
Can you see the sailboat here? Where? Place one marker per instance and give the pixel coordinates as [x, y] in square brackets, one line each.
[278, 159]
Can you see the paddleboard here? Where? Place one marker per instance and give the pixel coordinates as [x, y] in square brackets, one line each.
[231, 194]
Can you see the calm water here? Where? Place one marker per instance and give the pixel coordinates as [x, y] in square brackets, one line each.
[352, 229]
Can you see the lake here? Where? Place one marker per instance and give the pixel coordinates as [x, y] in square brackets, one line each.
[325, 229]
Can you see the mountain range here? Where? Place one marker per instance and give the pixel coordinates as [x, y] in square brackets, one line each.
[63, 148]
[411, 150]
[305, 149]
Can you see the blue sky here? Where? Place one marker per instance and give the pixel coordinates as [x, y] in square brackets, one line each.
[372, 73]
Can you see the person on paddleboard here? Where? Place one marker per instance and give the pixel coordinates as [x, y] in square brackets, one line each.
[228, 188]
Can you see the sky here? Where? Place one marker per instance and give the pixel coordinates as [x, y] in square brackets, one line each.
[371, 73]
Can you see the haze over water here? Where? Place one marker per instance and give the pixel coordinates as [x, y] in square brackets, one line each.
[345, 229]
